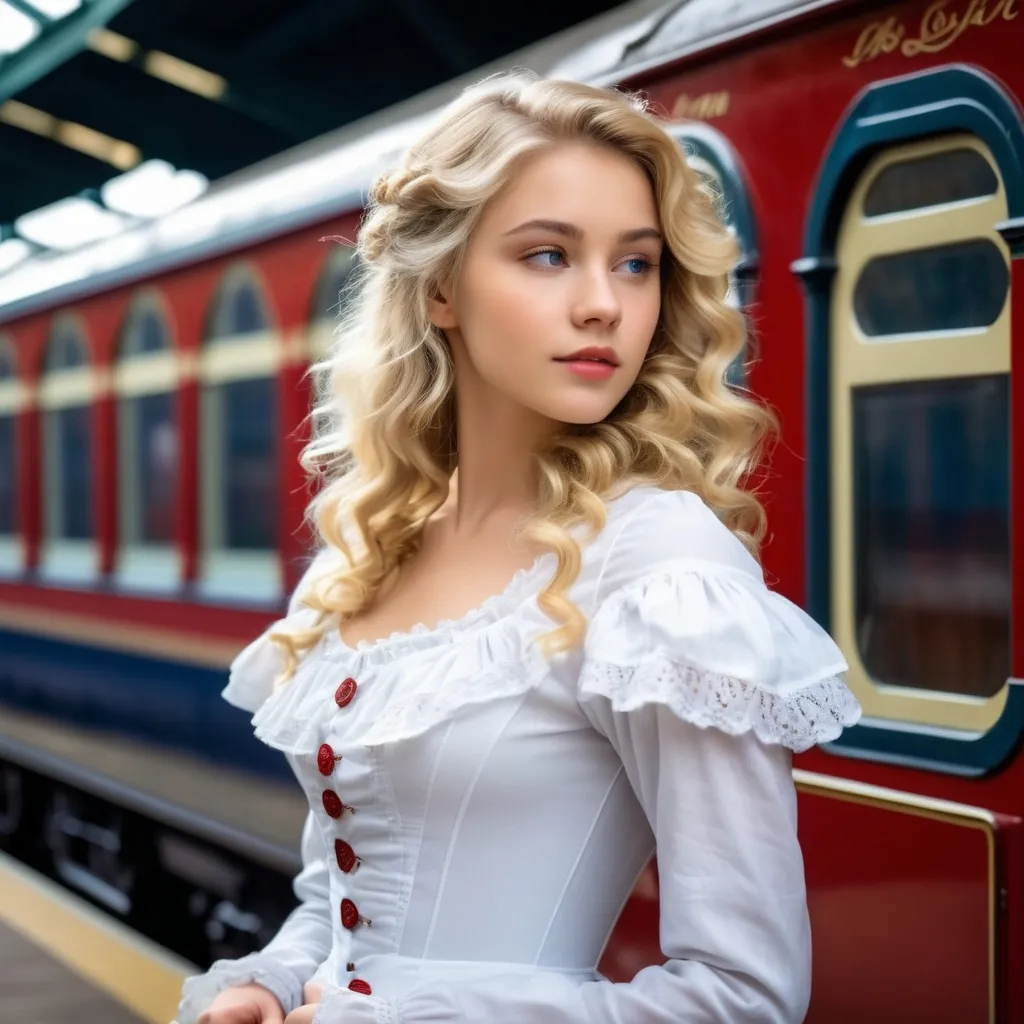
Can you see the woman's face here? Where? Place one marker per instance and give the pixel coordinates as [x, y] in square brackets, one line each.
[559, 293]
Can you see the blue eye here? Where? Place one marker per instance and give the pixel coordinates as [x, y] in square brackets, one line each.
[546, 258]
[637, 265]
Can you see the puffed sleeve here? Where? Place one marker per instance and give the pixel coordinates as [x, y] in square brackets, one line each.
[704, 682]
[303, 942]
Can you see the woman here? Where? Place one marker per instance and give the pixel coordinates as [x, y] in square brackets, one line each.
[536, 642]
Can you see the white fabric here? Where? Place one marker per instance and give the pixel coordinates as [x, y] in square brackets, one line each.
[505, 804]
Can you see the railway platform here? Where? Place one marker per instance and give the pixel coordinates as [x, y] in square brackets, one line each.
[63, 961]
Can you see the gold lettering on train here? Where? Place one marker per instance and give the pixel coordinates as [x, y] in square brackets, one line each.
[940, 27]
[878, 38]
[701, 108]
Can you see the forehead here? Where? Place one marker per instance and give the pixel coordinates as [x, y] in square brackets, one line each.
[595, 187]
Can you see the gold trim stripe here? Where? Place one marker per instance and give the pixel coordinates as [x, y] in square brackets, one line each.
[139, 974]
[174, 645]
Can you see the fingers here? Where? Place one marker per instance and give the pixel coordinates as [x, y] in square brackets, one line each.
[303, 1015]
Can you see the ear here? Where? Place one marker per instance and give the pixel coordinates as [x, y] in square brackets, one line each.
[441, 310]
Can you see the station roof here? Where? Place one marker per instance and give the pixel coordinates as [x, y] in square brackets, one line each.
[193, 90]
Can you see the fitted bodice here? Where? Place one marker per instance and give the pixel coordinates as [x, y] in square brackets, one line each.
[509, 833]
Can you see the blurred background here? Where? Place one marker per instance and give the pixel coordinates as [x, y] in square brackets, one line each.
[180, 186]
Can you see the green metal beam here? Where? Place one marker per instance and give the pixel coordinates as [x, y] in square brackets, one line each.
[60, 42]
[34, 13]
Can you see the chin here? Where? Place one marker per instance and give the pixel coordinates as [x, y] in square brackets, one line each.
[579, 413]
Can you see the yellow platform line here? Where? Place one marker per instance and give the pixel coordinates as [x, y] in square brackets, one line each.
[144, 977]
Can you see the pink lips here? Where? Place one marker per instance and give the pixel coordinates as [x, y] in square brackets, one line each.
[592, 363]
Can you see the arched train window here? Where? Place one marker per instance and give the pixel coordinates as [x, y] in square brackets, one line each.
[921, 436]
[238, 444]
[67, 391]
[145, 382]
[712, 156]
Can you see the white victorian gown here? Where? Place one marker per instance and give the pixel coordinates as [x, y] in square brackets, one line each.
[479, 814]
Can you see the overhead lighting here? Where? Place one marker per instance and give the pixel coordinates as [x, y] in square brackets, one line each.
[152, 190]
[12, 252]
[111, 44]
[120, 154]
[17, 29]
[184, 75]
[29, 119]
[68, 223]
[55, 8]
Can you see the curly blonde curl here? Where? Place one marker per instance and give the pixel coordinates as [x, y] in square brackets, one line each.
[383, 453]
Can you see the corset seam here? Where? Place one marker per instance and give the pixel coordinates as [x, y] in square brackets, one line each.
[584, 846]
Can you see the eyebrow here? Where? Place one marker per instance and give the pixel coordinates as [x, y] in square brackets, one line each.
[560, 227]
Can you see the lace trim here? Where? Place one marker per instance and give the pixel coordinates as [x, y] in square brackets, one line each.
[256, 969]
[344, 1007]
[814, 714]
[400, 642]
[413, 715]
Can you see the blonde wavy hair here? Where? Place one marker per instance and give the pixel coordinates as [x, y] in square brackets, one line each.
[383, 451]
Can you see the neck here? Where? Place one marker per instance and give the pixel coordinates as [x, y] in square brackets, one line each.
[497, 444]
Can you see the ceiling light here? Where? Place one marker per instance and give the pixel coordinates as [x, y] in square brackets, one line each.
[122, 155]
[184, 75]
[17, 29]
[111, 44]
[12, 252]
[152, 189]
[68, 223]
[29, 119]
[55, 8]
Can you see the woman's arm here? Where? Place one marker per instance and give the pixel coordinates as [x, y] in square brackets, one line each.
[291, 958]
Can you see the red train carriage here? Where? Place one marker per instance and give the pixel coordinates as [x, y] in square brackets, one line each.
[870, 159]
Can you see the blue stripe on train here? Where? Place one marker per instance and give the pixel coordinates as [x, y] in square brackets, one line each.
[147, 699]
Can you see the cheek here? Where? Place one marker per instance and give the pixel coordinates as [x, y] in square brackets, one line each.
[506, 322]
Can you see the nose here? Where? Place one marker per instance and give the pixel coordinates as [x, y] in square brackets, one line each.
[596, 303]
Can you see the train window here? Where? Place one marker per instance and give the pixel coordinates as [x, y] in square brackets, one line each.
[239, 310]
[941, 288]
[146, 380]
[238, 445]
[330, 296]
[11, 400]
[67, 392]
[950, 176]
[329, 304]
[931, 494]
[711, 155]
[920, 457]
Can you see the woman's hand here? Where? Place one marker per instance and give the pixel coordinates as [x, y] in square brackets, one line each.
[244, 1004]
[305, 1013]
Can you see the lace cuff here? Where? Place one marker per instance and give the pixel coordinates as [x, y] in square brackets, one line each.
[818, 713]
[343, 1006]
[255, 969]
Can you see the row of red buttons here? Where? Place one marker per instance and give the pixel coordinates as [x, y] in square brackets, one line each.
[346, 857]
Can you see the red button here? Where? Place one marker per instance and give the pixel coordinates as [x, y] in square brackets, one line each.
[326, 759]
[350, 916]
[360, 986]
[346, 856]
[345, 692]
[332, 804]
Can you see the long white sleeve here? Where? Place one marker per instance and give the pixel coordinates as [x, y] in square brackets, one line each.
[291, 958]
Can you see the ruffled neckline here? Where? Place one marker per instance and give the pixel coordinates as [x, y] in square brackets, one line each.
[421, 637]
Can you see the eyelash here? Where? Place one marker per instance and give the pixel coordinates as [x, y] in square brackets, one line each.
[648, 265]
